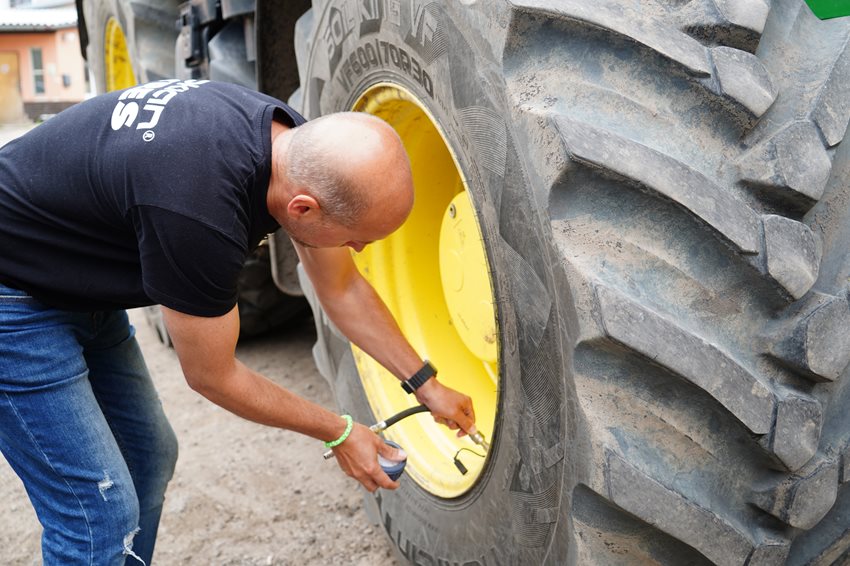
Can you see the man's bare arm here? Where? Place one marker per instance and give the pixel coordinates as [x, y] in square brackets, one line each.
[206, 349]
[359, 313]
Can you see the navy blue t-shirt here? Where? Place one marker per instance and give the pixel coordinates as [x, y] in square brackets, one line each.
[154, 194]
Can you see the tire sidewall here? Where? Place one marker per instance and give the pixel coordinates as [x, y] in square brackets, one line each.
[515, 510]
[97, 14]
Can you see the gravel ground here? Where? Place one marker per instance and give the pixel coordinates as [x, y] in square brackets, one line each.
[242, 494]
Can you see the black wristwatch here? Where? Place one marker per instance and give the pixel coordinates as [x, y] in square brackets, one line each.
[419, 378]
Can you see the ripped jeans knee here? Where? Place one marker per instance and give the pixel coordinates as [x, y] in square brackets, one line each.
[128, 544]
[114, 521]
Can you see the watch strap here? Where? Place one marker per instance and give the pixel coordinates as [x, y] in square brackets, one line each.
[419, 378]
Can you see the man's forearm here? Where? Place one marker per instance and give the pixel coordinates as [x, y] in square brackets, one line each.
[357, 310]
[252, 396]
[366, 321]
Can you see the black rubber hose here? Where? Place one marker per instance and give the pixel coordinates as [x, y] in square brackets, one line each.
[404, 414]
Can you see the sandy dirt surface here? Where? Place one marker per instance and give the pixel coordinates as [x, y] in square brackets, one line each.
[242, 494]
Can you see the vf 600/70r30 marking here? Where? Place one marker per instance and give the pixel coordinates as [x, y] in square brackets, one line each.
[382, 54]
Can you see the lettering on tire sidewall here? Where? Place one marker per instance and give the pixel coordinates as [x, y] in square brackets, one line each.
[382, 55]
[357, 41]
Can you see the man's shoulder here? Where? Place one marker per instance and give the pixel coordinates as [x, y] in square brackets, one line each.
[201, 224]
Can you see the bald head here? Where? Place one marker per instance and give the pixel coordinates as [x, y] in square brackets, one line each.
[354, 165]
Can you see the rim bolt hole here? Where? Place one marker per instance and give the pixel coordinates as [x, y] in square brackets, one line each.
[452, 211]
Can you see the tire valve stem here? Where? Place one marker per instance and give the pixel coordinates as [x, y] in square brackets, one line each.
[478, 439]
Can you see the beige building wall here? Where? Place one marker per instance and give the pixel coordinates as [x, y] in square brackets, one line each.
[62, 68]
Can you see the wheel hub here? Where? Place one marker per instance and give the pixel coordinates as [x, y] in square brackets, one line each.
[466, 284]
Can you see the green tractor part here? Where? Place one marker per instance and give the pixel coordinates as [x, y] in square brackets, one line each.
[826, 9]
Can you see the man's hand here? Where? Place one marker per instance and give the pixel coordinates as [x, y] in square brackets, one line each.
[345, 294]
[205, 347]
[358, 458]
[448, 407]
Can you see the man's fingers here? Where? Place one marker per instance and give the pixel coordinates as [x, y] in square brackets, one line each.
[454, 410]
[391, 453]
[385, 481]
[469, 412]
[454, 425]
[373, 479]
[376, 475]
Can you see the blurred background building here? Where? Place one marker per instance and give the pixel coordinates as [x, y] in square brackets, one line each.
[41, 68]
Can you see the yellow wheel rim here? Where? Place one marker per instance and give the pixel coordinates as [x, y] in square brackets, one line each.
[433, 275]
[117, 65]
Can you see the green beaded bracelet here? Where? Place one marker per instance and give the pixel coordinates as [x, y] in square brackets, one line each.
[349, 424]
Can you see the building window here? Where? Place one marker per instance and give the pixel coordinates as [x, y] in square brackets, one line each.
[37, 70]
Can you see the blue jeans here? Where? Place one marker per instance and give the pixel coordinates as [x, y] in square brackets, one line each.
[82, 426]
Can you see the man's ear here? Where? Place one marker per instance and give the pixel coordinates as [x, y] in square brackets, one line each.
[302, 205]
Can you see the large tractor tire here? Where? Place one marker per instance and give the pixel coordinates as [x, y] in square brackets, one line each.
[630, 246]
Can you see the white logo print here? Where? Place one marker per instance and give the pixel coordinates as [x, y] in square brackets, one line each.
[157, 95]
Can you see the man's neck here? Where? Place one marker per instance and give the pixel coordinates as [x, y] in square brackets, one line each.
[276, 195]
[277, 129]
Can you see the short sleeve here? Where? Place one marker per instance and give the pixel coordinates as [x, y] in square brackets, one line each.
[186, 265]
